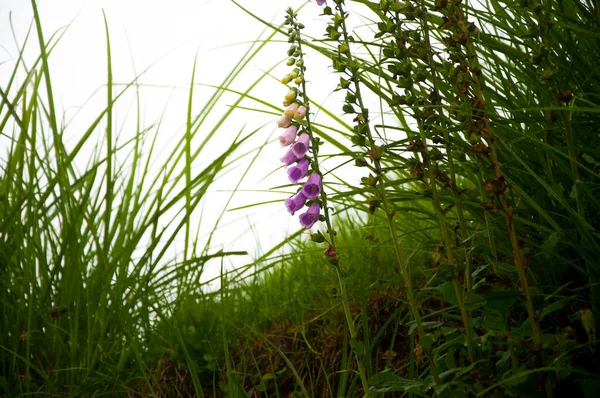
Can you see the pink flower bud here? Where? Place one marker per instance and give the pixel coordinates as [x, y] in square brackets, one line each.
[288, 136]
[284, 121]
[300, 113]
[330, 251]
[291, 110]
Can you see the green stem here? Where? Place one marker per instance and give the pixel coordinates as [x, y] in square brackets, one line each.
[488, 220]
[508, 212]
[350, 321]
[447, 244]
[443, 226]
[385, 204]
[330, 231]
[411, 297]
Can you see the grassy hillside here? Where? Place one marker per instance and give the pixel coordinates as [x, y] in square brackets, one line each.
[461, 263]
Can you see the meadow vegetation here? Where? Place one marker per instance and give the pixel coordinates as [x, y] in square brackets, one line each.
[464, 263]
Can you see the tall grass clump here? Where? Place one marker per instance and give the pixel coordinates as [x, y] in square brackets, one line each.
[88, 231]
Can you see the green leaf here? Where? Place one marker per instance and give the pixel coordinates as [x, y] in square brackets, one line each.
[317, 237]
[448, 292]
[450, 361]
[357, 346]
[427, 341]
[389, 382]
[590, 387]
[500, 300]
[269, 376]
[550, 243]
[426, 325]
[347, 108]
[556, 306]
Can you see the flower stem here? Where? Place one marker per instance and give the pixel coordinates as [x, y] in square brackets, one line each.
[330, 231]
[387, 208]
[508, 211]
[437, 204]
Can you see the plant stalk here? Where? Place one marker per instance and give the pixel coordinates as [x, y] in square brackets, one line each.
[508, 211]
[389, 211]
[323, 195]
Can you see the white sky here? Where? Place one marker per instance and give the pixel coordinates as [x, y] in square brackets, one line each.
[167, 37]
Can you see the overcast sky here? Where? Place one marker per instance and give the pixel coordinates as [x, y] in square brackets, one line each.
[148, 33]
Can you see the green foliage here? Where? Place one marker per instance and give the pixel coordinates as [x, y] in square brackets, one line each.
[86, 234]
[490, 116]
[467, 248]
